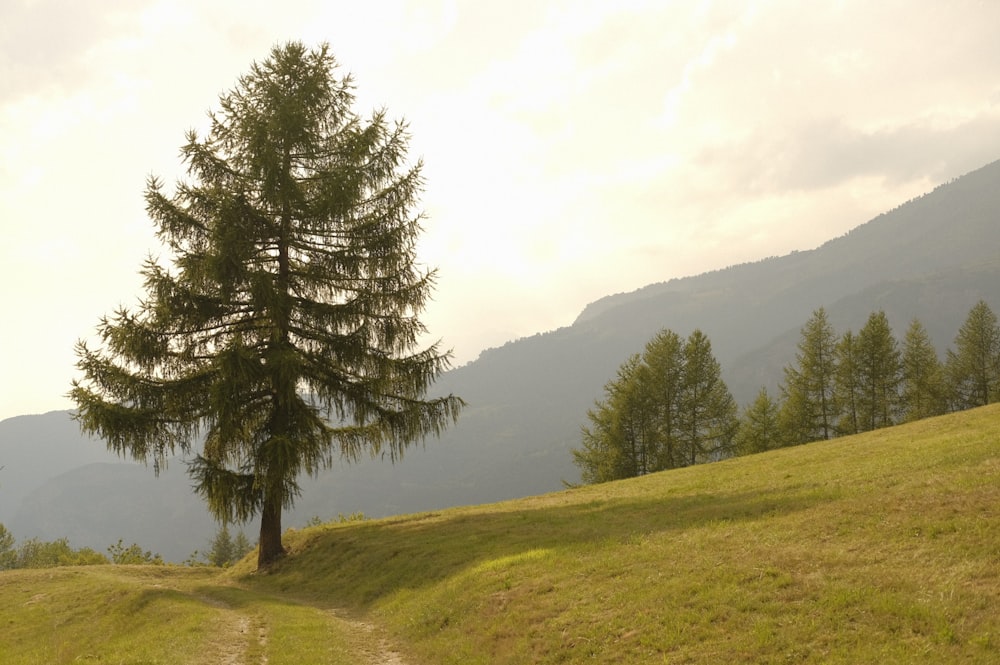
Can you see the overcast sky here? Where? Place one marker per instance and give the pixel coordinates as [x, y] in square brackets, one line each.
[572, 149]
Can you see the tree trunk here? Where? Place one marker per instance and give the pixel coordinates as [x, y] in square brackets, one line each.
[270, 547]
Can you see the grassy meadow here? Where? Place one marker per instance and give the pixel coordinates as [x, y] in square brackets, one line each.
[878, 548]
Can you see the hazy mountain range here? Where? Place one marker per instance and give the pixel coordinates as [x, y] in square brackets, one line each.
[931, 258]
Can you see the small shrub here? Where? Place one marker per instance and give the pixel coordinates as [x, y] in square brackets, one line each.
[132, 555]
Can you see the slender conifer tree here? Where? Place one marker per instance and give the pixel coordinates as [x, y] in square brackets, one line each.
[759, 429]
[879, 374]
[846, 387]
[974, 366]
[708, 412]
[663, 361]
[923, 387]
[617, 443]
[809, 412]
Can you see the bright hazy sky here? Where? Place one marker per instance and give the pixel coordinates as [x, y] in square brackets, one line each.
[572, 149]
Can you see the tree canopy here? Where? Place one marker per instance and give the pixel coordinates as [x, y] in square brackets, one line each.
[667, 408]
[810, 408]
[282, 331]
[923, 390]
[974, 366]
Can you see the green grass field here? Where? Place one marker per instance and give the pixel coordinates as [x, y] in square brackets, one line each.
[880, 548]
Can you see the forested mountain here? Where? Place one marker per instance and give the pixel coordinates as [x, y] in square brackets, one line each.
[931, 258]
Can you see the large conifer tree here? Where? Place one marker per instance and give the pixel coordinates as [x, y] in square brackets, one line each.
[285, 333]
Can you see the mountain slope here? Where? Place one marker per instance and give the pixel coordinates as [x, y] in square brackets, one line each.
[36, 448]
[931, 258]
[954, 227]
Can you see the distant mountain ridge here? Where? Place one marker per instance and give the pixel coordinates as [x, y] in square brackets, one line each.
[957, 225]
[931, 258]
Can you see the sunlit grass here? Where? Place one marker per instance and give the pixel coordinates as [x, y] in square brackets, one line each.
[152, 614]
[878, 548]
[881, 548]
[65, 615]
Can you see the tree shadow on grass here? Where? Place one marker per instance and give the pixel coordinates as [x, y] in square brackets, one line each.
[359, 564]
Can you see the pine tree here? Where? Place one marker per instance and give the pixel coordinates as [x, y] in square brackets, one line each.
[973, 368]
[636, 418]
[225, 549]
[923, 384]
[284, 334]
[666, 408]
[879, 372]
[616, 444]
[810, 410]
[706, 408]
[759, 428]
[664, 380]
[598, 457]
[241, 545]
[222, 552]
[847, 388]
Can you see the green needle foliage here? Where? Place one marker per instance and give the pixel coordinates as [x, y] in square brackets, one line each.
[879, 372]
[760, 429]
[284, 334]
[974, 366]
[923, 391]
[667, 408]
[810, 407]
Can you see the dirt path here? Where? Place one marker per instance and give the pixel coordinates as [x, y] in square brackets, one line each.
[371, 642]
[240, 639]
[243, 618]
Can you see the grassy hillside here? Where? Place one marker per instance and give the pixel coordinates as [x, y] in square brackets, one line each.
[144, 615]
[878, 548]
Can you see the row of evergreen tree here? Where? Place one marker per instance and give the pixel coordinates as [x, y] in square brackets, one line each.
[669, 407]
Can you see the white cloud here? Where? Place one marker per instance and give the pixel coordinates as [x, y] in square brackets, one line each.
[572, 149]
